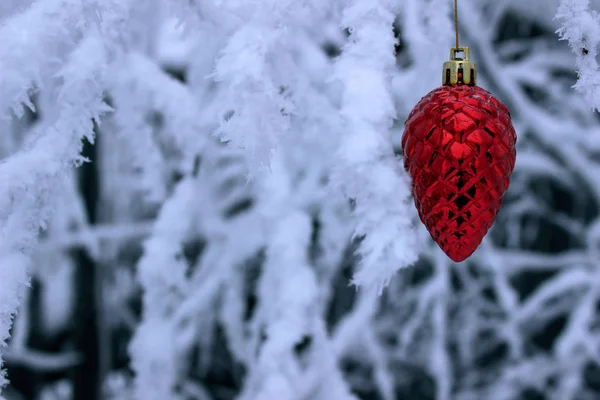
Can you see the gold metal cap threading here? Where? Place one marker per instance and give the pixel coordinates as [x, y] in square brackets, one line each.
[459, 70]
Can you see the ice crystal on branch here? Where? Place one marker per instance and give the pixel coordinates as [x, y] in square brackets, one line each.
[367, 169]
[581, 28]
[28, 178]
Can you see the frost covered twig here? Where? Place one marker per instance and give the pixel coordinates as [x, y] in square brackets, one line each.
[355, 333]
[26, 179]
[581, 28]
[255, 121]
[257, 61]
[368, 171]
[29, 56]
[289, 313]
[98, 233]
[141, 88]
[43, 362]
[162, 273]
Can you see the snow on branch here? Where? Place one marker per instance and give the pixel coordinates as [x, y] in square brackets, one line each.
[581, 28]
[148, 84]
[30, 44]
[134, 131]
[355, 336]
[289, 312]
[288, 293]
[140, 89]
[367, 170]
[28, 178]
[162, 274]
[258, 71]
[257, 111]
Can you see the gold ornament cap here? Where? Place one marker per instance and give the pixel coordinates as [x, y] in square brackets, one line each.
[459, 70]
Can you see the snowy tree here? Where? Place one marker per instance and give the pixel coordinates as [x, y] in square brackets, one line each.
[205, 200]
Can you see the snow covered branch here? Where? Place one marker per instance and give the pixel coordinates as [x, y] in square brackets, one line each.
[141, 90]
[29, 55]
[367, 171]
[28, 178]
[162, 273]
[289, 314]
[256, 121]
[581, 28]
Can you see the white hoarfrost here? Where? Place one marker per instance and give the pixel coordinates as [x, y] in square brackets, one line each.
[162, 273]
[28, 178]
[580, 26]
[367, 170]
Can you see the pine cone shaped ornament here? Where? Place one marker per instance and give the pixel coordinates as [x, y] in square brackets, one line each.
[459, 149]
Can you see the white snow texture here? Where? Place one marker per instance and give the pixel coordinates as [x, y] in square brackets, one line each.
[284, 135]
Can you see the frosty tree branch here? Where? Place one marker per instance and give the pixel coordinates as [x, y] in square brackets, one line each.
[27, 56]
[26, 179]
[289, 311]
[581, 28]
[367, 170]
[256, 121]
[162, 273]
[153, 90]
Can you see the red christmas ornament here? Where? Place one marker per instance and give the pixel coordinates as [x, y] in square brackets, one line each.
[459, 149]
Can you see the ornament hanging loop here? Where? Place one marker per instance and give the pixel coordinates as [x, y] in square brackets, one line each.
[459, 70]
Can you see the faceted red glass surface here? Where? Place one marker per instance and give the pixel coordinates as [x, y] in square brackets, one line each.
[459, 149]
